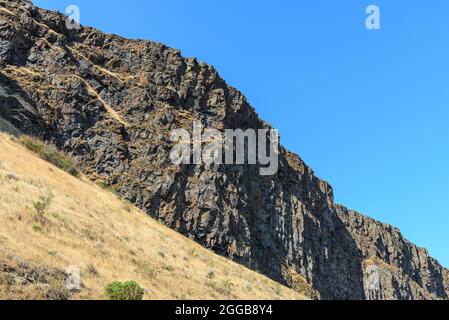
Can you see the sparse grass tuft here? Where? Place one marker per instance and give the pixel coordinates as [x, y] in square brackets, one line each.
[193, 253]
[297, 281]
[92, 270]
[168, 268]
[87, 233]
[224, 287]
[41, 207]
[127, 206]
[149, 270]
[37, 227]
[12, 176]
[42, 204]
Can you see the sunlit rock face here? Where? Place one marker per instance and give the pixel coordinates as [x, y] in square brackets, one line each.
[112, 103]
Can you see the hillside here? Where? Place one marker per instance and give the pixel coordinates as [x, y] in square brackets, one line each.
[106, 238]
[112, 103]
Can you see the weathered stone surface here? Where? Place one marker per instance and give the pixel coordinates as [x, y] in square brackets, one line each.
[112, 103]
[22, 280]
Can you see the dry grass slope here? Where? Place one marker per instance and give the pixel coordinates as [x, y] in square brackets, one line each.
[53, 220]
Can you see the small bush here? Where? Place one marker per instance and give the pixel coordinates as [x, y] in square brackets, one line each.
[41, 206]
[129, 290]
[37, 227]
[49, 153]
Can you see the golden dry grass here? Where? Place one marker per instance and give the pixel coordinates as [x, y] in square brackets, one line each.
[114, 114]
[120, 77]
[108, 239]
[4, 10]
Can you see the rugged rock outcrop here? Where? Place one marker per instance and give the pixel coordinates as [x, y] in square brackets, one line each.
[112, 103]
[22, 280]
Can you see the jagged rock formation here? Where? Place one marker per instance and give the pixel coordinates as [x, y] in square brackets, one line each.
[112, 104]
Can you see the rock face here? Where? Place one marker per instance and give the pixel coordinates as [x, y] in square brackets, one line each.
[21, 280]
[112, 104]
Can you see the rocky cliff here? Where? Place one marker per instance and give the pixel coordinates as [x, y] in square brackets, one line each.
[112, 103]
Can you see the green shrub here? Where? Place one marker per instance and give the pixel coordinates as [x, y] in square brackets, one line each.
[49, 153]
[129, 290]
[37, 227]
[40, 207]
[42, 204]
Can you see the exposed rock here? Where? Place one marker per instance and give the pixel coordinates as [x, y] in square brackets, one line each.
[21, 280]
[112, 103]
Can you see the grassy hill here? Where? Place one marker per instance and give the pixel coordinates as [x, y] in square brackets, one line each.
[50, 220]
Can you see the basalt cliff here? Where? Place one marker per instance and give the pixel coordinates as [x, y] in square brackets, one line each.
[112, 103]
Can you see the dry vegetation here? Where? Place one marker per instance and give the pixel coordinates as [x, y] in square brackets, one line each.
[51, 154]
[53, 220]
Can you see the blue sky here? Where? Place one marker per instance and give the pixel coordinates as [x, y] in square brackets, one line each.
[368, 110]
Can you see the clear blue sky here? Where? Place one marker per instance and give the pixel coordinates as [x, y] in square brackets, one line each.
[368, 110]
